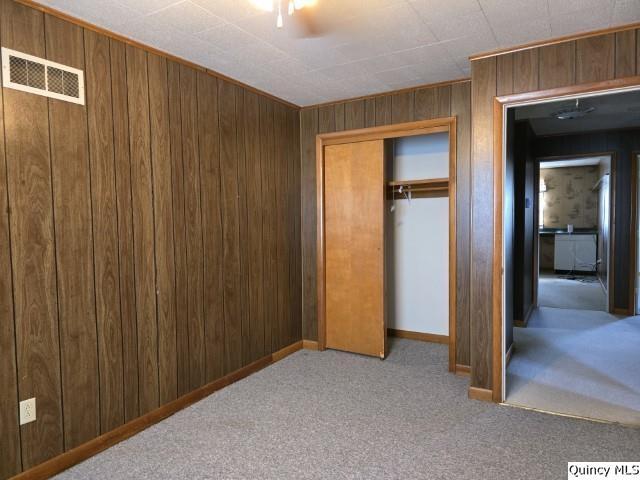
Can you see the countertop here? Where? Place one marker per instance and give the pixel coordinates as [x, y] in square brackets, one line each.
[563, 231]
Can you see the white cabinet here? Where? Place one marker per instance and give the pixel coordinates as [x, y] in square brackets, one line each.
[575, 252]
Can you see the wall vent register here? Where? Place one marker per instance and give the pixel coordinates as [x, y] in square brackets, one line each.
[42, 77]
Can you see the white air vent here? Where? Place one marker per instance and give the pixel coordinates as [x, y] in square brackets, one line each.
[42, 77]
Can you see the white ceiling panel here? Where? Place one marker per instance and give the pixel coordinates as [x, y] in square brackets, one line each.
[193, 18]
[368, 46]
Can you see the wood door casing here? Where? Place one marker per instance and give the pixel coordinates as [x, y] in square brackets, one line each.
[354, 247]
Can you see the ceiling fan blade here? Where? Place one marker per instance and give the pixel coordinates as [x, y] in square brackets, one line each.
[310, 22]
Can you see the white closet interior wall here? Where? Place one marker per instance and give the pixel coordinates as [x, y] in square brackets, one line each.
[421, 239]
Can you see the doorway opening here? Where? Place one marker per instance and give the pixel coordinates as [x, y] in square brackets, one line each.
[569, 241]
[573, 238]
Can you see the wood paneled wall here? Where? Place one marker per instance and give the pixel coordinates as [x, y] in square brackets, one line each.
[419, 104]
[149, 241]
[585, 60]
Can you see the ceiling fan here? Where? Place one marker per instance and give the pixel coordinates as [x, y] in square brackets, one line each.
[309, 19]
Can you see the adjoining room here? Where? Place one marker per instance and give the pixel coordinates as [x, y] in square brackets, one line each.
[573, 233]
[574, 187]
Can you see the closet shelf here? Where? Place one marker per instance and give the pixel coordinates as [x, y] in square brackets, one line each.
[422, 185]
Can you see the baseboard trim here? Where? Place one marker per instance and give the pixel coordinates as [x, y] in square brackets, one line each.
[87, 450]
[507, 357]
[423, 337]
[309, 344]
[463, 370]
[524, 323]
[482, 394]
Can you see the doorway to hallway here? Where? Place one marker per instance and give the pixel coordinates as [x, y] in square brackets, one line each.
[569, 211]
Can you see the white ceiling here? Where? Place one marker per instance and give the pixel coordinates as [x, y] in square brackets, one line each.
[611, 111]
[573, 162]
[377, 46]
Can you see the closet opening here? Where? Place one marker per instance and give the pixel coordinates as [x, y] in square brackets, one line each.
[386, 236]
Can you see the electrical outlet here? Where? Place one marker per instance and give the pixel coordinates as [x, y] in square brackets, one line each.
[27, 411]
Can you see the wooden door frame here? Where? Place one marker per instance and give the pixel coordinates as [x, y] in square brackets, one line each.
[633, 284]
[612, 213]
[500, 104]
[400, 130]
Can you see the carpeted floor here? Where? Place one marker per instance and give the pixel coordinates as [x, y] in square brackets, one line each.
[337, 415]
[557, 292]
[578, 362]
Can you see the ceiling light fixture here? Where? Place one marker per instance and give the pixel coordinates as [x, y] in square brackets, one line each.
[572, 113]
[272, 5]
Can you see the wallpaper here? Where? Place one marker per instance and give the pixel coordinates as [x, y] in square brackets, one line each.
[570, 198]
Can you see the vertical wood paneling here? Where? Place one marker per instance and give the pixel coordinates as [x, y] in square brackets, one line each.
[483, 91]
[402, 107]
[243, 226]
[212, 204]
[432, 102]
[283, 248]
[143, 228]
[125, 230]
[383, 110]
[111, 215]
[193, 216]
[425, 103]
[637, 52]
[326, 119]
[179, 230]
[626, 56]
[595, 58]
[105, 230]
[230, 226]
[254, 237]
[461, 109]
[308, 131]
[370, 112]
[443, 101]
[354, 115]
[32, 246]
[295, 271]
[340, 117]
[525, 70]
[10, 455]
[269, 248]
[557, 65]
[74, 245]
[163, 215]
[504, 74]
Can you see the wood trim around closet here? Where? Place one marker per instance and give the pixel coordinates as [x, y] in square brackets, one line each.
[499, 105]
[409, 129]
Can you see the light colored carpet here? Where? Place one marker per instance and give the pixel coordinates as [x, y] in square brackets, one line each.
[578, 362]
[557, 292]
[336, 415]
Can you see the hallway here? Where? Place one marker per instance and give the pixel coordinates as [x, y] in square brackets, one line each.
[577, 362]
[583, 292]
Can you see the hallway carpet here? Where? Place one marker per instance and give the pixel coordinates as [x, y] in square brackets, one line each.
[334, 415]
[557, 292]
[578, 362]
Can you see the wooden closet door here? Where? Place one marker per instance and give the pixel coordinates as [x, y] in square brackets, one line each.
[354, 247]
